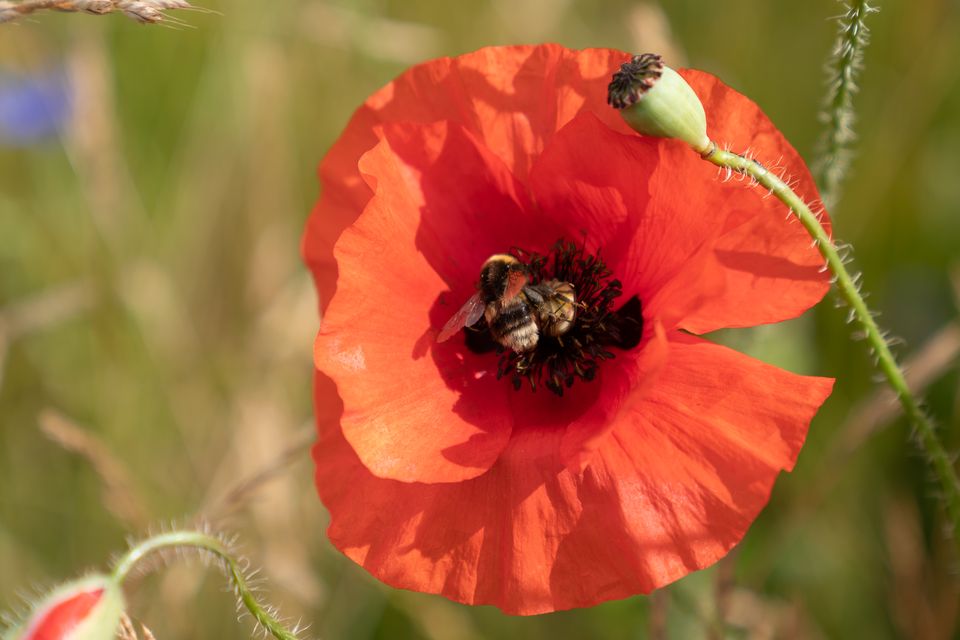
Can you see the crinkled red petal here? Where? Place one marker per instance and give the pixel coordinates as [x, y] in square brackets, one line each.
[772, 270]
[653, 208]
[606, 187]
[513, 99]
[419, 410]
[675, 485]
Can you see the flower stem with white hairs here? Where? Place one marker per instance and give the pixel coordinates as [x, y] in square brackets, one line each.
[849, 288]
[265, 617]
[655, 101]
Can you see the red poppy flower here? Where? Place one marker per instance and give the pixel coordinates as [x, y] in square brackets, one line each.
[440, 477]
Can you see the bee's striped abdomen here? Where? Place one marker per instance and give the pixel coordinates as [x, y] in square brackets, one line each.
[514, 326]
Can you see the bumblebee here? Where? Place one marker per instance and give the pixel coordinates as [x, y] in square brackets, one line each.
[517, 312]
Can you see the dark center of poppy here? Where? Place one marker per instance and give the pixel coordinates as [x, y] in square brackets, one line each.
[597, 331]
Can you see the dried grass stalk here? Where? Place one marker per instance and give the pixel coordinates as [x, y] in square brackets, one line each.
[143, 11]
[127, 631]
[119, 496]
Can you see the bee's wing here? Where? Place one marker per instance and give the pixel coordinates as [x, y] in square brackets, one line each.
[468, 315]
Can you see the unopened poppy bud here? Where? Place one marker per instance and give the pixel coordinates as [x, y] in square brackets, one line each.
[656, 101]
[88, 609]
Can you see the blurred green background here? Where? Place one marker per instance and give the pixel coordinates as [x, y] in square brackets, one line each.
[156, 321]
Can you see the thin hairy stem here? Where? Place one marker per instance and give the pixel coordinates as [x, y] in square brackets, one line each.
[143, 11]
[926, 435]
[230, 564]
[846, 61]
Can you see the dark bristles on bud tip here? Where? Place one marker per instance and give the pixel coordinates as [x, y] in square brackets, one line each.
[635, 78]
[656, 101]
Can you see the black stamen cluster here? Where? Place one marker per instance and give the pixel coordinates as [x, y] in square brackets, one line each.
[557, 362]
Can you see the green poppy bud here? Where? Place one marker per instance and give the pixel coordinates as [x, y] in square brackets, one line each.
[656, 101]
[87, 609]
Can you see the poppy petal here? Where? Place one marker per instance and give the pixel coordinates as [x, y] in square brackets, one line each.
[469, 202]
[673, 489]
[344, 194]
[621, 386]
[596, 179]
[533, 94]
[419, 410]
[668, 492]
[651, 205]
[489, 540]
[514, 112]
[772, 270]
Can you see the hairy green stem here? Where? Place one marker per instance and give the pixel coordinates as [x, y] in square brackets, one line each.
[847, 285]
[846, 58]
[210, 544]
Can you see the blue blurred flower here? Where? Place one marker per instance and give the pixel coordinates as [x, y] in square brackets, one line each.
[33, 107]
